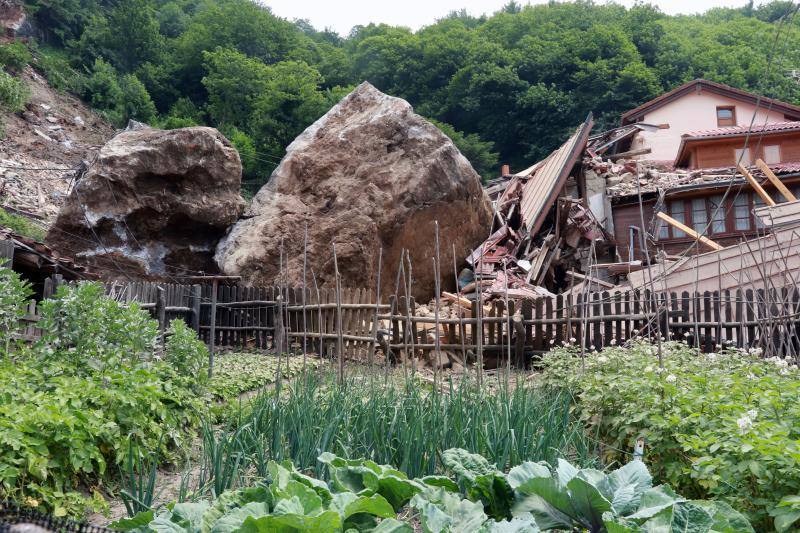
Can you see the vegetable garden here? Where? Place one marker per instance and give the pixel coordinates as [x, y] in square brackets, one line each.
[100, 409]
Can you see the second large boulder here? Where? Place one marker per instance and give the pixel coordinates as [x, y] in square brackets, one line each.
[153, 204]
[369, 174]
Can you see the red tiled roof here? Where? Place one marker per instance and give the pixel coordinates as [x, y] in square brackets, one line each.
[719, 88]
[733, 131]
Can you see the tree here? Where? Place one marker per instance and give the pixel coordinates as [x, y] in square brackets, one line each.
[135, 102]
[290, 102]
[234, 82]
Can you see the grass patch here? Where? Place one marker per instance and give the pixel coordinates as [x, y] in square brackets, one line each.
[21, 225]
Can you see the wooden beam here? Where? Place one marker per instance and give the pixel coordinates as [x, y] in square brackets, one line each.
[590, 279]
[775, 180]
[756, 186]
[631, 153]
[689, 231]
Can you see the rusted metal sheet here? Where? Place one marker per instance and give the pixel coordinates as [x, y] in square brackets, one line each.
[541, 190]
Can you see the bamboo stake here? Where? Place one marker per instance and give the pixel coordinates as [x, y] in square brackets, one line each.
[339, 339]
[319, 313]
[461, 329]
[407, 327]
[438, 283]
[305, 324]
[775, 181]
[756, 186]
[413, 333]
[371, 352]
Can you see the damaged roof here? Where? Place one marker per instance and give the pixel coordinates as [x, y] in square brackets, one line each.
[791, 110]
[654, 179]
[36, 254]
[543, 187]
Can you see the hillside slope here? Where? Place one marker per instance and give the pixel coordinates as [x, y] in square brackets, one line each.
[43, 143]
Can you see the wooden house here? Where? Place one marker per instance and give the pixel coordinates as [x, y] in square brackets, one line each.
[704, 129]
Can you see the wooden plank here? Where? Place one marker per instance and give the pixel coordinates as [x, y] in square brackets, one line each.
[6, 253]
[689, 231]
[776, 182]
[756, 186]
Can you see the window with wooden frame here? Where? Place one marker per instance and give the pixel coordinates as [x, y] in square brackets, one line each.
[712, 216]
[726, 115]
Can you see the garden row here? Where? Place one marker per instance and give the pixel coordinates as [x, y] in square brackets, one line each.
[365, 496]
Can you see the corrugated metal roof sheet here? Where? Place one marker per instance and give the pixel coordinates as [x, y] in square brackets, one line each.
[743, 130]
[542, 189]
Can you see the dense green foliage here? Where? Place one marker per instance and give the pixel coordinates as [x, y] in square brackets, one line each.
[239, 373]
[510, 84]
[721, 425]
[71, 403]
[365, 496]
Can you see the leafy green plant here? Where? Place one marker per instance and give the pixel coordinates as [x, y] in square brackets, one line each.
[14, 295]
[71, 402]
[21, 225]
[15, 56]
[717, 425]
[14, 94]
[365, 496]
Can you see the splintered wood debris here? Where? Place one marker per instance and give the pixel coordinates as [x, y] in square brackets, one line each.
[540, 234]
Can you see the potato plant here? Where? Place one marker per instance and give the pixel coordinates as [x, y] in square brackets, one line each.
[721, 425]
[71, 403]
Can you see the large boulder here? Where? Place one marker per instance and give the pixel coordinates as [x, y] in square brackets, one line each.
[153, 204]
[369, 174]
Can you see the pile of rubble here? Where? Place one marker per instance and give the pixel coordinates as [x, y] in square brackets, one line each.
[543, 235]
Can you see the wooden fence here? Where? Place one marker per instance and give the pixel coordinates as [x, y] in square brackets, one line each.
[258, 317]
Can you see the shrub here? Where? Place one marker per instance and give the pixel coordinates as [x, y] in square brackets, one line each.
[14, 94]
[15, 56]
[71, 403]
[721, 425]
[54, 65]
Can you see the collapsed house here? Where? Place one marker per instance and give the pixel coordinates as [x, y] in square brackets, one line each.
[544, 233]
[684, 175]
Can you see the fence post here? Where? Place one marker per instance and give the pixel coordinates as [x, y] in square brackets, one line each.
[194, 300]
[161, 316]
[212, 332]
[6, 253]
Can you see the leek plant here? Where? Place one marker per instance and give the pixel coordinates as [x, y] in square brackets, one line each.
[399, 424]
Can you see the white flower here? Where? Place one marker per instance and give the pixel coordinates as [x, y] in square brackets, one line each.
[784, 372]
[752, 413]
[613, 342]
[671, 378]
[572, 339]
[687, 334]
[660, 370]
[744, 423]
[711, 356]
[552, 341]
[591, 347]
[648, 369]
[602, 359]
[751, 376]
